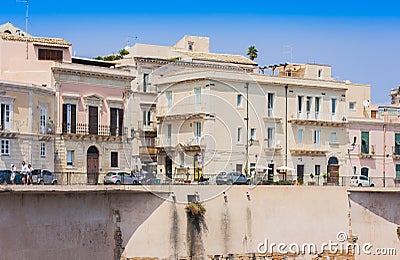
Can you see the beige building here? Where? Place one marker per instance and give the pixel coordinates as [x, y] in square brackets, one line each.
[26, 126]
[202, 110]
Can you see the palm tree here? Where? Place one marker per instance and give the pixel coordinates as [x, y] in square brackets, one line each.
[252, 52]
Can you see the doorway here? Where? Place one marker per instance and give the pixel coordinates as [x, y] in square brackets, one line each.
[168, 167]
[92, 165]
[333, 170]
[300, 173]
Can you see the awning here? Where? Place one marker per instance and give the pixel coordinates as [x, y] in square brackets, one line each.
[285, 169]
[261, 167]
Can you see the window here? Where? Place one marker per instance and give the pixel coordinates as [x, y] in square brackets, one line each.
[169, 134]
[333, 137]
[182, 159]
[317, 169]
[397, 143]
[299, 104]
[145, 81]
[317, 136]
[116, 121]
[397, 172]
[270, 137]
[4, 116]
[333, 105]
[114, 159]
[47, 54]
[365, 142]
[239, 100]
[43, 149]
[190, 46]
[252, 133]
[270, 103]
[70, 158]
[308, 105]
[5, 147]
[169, 98]
[319, 73]
[239, 135]
[197, 130]
[300, 136]
[317, 106]
[69, 118]
[42, 119]
[352, 105]
[197, 99]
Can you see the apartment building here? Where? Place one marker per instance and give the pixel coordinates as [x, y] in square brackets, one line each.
[375, 142]
[26, 125]
[87, 107]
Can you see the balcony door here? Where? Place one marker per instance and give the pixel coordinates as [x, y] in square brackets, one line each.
[93, 120]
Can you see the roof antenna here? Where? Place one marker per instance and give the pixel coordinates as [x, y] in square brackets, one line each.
[288, 50]
[26, 23]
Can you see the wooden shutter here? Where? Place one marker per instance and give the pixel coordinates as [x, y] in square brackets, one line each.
[113, 121]
[93, 120]
[73, 119]
[64, 119]
[120, 121]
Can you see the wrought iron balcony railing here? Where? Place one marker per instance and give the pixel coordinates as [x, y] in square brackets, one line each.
[99, 130]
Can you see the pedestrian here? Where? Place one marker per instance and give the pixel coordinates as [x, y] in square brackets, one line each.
[30, 170]
[24, 172]
[13, 173]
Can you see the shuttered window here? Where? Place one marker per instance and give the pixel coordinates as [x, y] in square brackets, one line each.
[116, 121]
[114, 159]
[69, 118]
[47, 54]
[365, 142]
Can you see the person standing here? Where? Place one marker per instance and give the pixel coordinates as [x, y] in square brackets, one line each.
[13, 173]
[24, 172]
[29, 175]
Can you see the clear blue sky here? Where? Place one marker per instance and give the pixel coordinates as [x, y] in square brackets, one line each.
[359, 39]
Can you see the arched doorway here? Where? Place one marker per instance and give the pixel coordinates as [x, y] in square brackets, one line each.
[92, 165]
[333, 170]
[364, 171]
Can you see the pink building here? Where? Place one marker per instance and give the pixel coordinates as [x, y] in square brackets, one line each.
[374, 146]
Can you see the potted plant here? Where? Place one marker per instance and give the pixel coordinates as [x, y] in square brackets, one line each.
[312, 182]
[187, 178]
[325, 176]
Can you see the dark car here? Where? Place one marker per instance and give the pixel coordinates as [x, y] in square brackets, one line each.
[5, 176]
[146, 178]
[40, 176]
[231, 178]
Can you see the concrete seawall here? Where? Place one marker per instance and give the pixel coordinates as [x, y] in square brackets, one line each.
[107, 222]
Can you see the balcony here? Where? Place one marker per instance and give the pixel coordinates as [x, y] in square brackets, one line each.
[366, 151]
[103, 132]
[6, 132]
[271, 116]
[396, 152]
[312, 149]
[183, 111]
[313, 122]
[146, 88]
[148, 153]
[147, 129]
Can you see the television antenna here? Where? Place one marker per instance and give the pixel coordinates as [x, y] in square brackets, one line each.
[26, 22]
[128, 41]
[288, 50]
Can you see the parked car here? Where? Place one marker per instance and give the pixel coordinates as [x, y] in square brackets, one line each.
[361, 181]
[232, 178]
[120, 178]
[40, 176]
[146, 178]
[5, 177]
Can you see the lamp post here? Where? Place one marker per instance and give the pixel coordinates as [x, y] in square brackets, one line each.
[247, 127]
[286, 124]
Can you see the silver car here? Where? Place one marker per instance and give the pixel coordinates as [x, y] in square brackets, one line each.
[231, 178]
[40, 176]
[120, 178]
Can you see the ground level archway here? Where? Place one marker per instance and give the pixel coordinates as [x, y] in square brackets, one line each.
[92, 162]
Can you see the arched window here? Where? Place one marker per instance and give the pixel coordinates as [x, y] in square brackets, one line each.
[364, 171]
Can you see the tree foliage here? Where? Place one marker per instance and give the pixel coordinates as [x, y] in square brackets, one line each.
[113, 57]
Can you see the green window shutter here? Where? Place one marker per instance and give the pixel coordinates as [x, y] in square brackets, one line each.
[397, 139]
[397, 171]
[365, 142]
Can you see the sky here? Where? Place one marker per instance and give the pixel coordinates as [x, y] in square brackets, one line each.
[359, 39]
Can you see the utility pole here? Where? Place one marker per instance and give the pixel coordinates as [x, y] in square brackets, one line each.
[286, 124]
[247, 128]
[384, 155]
